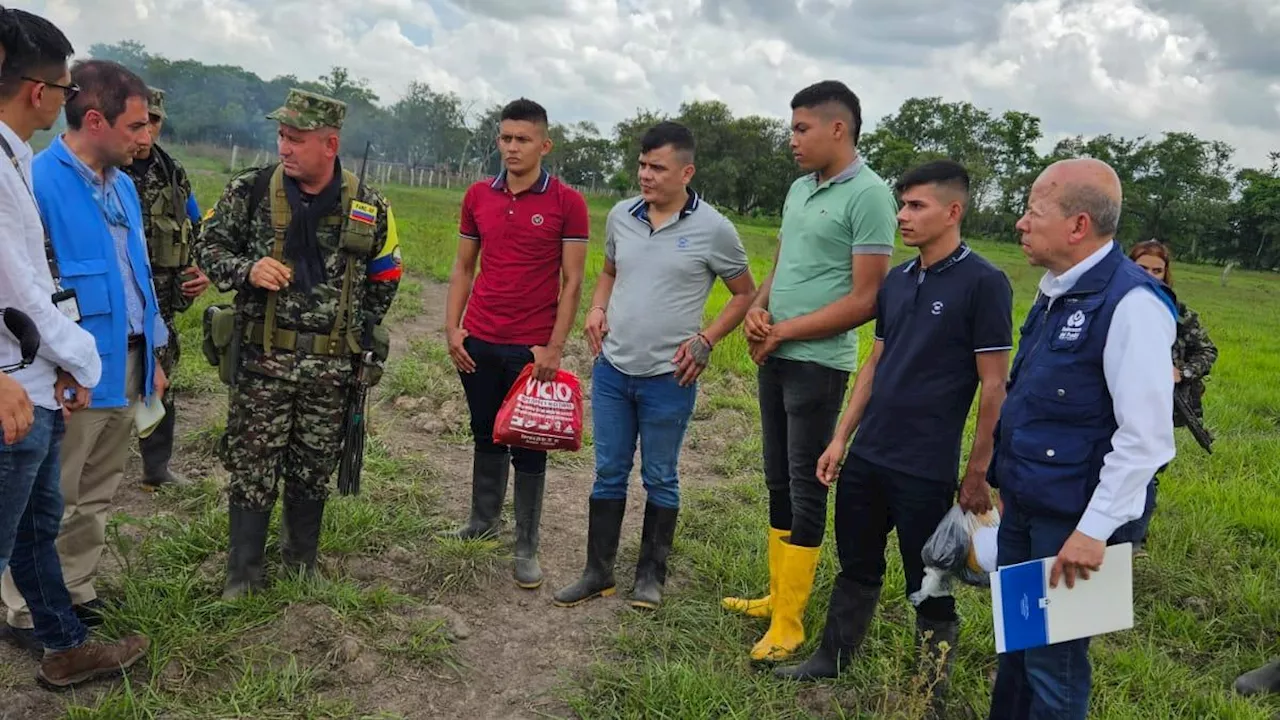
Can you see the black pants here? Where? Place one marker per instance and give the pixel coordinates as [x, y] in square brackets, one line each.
[872, 500]
[497, 367]
[800, 403]
[157, 448]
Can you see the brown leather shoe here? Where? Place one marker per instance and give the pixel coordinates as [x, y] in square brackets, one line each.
[91, 660]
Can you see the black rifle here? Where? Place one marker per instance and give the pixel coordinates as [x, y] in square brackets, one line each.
[1182, 411]
[354, 426]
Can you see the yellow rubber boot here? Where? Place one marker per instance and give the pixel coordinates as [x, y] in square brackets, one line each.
[795, 582]
[762, 607]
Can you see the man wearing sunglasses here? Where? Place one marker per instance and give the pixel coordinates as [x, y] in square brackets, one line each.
[94, 220]
[33, 86]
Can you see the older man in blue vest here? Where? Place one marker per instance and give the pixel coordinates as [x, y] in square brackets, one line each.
[1088, 416]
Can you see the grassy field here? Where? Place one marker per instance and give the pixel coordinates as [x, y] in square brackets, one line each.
[1208, 598]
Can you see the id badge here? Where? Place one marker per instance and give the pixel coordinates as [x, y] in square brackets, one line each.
[67, 304]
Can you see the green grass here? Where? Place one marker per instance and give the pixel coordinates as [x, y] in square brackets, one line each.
[1208, 598]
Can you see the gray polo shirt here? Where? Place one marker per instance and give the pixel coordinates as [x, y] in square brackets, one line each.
[664, 276]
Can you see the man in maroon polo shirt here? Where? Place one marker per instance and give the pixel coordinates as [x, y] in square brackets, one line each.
[532, 230]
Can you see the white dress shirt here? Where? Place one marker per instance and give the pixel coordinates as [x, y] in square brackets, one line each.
[1137, 363]
[27, 284]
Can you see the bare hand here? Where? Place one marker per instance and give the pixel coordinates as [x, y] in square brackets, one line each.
[546, 361]
[1177, 376]
[79, 395]
[761, 350]
[975, 493]
[1080, 555]
[161, 382]
[597, 326]
[17, 413]
[691, 359]
[829, 463]
[757, 324]
[458, 353]
[270, 274]
[194, 287]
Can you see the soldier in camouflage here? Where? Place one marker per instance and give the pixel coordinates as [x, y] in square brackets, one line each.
[171, 219]
[1193, 357]
[312, 241]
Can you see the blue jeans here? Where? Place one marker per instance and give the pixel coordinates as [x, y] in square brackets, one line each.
[30, 516]
[654, 409]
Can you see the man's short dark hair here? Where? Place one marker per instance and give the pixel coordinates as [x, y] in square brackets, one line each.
[526, 110]
[948, 174]
[33, 47]
[667, 132]
[105, 86]
[831, 92]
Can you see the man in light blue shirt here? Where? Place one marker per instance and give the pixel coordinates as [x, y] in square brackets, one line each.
[94, 220]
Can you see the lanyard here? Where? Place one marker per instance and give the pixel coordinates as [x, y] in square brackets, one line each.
[48, 244]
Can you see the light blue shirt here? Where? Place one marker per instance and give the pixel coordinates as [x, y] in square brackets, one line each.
[104, 192]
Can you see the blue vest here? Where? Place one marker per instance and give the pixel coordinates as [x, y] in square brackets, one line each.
[1057, 421]
[86, 254]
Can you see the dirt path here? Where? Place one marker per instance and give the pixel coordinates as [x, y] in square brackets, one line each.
[520, 649]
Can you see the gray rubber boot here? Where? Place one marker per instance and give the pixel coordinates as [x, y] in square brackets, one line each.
[248, 544]
[1265, 680]
[528, 509]
[603, 530]
[655, 545]
[848, 616]
[489, 474]
[934, 662]
[300, 524]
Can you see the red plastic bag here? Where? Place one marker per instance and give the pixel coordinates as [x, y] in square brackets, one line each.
[541, 415]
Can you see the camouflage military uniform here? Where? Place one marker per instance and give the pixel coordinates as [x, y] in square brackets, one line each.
[286, 408]
[167, 205]
[1193, 355]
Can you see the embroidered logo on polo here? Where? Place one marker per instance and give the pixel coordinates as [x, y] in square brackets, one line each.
[1074, 327]
[683, 243]
[537, 219]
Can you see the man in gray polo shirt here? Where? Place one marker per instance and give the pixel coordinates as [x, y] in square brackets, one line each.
[663, 253]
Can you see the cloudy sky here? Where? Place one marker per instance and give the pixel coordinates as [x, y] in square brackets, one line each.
[1128, 67]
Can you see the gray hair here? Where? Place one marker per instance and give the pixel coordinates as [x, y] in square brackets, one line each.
[1102, 209]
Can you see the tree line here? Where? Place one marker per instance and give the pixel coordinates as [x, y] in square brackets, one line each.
[1178, 188]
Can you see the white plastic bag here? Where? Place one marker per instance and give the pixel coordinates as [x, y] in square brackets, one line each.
[963, 546]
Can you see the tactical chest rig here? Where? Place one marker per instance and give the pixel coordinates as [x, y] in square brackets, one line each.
[225, 329]
[170, 239]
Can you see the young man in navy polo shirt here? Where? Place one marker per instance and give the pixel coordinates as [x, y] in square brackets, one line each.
[943, 327]
[532, 231]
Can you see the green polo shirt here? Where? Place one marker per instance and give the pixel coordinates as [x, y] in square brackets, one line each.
[824, 225]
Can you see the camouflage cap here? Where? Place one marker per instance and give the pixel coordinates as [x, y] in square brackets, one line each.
[308, 111]
[155, 102]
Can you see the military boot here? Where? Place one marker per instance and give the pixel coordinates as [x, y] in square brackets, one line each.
[528, 507]
[655, 545]
[300, 523]
[935, 654]
[248, 544]
[1264, 680]
[489, 473]
[603, 529]
[848, 617]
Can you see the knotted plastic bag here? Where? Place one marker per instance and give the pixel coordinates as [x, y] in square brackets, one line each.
[962, 547]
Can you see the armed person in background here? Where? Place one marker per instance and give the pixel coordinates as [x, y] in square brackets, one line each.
[1193, 357]
[314, 261]
[838, 227]
[170, 219]
[529, 231]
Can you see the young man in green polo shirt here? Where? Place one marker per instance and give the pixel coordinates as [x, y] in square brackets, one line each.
[838, 227]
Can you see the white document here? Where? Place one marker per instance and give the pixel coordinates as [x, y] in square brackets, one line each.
[1028, 613]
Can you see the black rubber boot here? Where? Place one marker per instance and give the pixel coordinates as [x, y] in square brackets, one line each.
[848, 617]
[156, 450]
[603, 529]
[1264, 680]
[300, 523]
[248, 545]
[655, 545]
[528, 509]
[934, 661]
[489, 474]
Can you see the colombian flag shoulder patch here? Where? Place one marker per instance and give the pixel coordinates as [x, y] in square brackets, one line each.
[363, 212]
[386, 267]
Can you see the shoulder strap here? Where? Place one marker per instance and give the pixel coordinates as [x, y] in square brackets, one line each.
[350, 186]
[270, 179]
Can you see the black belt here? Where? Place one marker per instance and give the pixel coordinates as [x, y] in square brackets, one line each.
[136, 340]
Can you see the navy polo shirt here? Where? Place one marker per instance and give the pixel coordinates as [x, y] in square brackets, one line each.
[933, 322]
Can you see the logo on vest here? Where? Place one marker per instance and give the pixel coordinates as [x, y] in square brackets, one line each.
[937, 307]
[537, 220]
[1074, 327]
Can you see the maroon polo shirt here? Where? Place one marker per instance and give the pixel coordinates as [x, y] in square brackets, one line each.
[521, 236]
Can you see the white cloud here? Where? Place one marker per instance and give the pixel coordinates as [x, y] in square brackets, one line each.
[1130, 67]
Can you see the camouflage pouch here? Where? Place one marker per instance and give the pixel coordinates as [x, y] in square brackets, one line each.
[220, 345]
[381, 349]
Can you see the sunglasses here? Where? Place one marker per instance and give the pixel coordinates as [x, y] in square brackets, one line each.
[69, 91]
